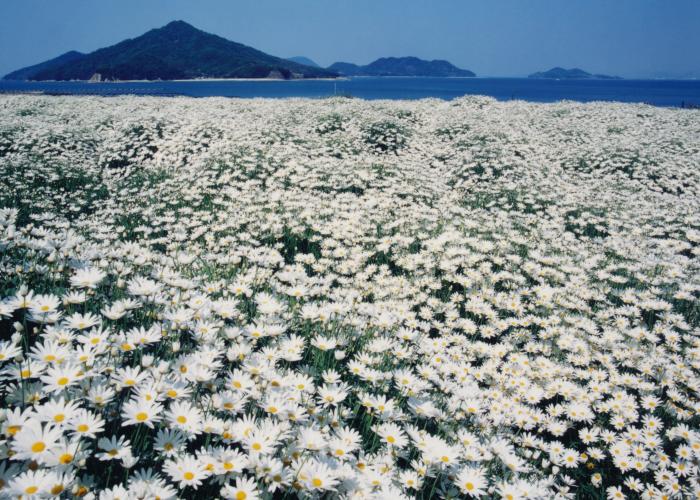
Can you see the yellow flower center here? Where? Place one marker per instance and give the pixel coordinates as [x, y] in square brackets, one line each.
[172, 393]
[83, 428]
[189, 476]
[317, 482]
[469, 486]
[38, 447]
[228, 466]
[62, 381]
[241, 495]
[66, 458]
[141, 416]
[391, 439]
[181, 419]
[257, 446]
[57, 490]
[30, 490]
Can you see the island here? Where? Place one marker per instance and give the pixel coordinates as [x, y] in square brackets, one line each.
[177, 51]
[570, 74]
[304, 60]
[401, 66]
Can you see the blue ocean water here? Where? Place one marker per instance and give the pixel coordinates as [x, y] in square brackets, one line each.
[655, 92]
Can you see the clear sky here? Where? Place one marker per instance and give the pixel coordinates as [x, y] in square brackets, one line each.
[630, 38]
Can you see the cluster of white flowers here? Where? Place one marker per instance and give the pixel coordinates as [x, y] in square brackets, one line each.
[347, 299]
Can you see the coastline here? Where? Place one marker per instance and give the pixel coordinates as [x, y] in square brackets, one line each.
[351, 77]
[242, 80]
[658, 92]
[183, 80]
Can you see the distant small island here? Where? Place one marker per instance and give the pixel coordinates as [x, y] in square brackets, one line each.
[401, 66]
[304, 60]
[570, 74]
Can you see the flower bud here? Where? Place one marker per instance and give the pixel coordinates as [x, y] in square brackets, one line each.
[147, 360]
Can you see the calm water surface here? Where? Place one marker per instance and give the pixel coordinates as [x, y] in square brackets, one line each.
[656, 92]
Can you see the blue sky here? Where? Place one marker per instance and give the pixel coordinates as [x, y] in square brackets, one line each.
[631, 38]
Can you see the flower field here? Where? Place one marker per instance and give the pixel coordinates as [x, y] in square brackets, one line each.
[339, 298]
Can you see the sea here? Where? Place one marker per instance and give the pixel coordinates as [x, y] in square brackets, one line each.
[668, 93]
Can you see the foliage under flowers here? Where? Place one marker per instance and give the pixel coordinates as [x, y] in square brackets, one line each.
[251, 298]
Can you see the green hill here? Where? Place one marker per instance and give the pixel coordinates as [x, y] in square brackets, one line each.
[29, 72]
[176, 51]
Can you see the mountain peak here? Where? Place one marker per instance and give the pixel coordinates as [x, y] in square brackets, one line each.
[179, 25]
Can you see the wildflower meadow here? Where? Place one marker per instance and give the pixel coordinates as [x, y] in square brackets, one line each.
[338, 298]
